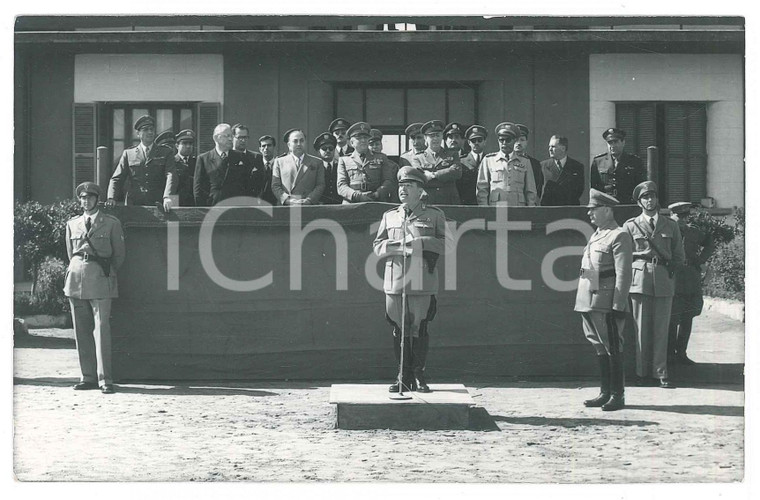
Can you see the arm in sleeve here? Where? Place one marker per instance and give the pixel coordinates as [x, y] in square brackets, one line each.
[319, 185]
[118, 179]
[277, 188]
[69, 245]
[345, 190]
[484, 183]
[117, 245]
[622, 252]
[172, 179]
[576, 187]
[531, 195]
[200, 183]
[678, 256]
[452, 173]
[708, 248]
[385, 190]
[596, 179]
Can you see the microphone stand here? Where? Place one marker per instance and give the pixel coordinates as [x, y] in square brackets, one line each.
[400, 396]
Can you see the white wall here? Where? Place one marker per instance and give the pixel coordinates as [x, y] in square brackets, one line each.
[149, 77]
[713, 78]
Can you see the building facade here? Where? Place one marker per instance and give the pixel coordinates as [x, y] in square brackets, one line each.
[676, 83]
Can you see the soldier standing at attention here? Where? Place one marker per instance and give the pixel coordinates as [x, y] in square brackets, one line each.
[698, 247]
[339, 129]
[617, 172]
[324, 144]
[440, 166]
[414, 134]
[412, 237]
[504, 178]
[145, 174]
[602, 297]
[468, 184]
[184, 161]
[95, 246]
[521, 148]
[657, 253]
[364, 176]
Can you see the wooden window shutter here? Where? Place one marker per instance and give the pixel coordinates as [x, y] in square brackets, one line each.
[639, 121]
[84, 143]
[686, 153]
[209, 116]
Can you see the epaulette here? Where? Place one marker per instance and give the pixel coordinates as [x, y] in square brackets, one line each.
[76, 217]
[631, 219]
[435, 208]
[109, 216]
[489, 155]
[600, 155]
[283, 155]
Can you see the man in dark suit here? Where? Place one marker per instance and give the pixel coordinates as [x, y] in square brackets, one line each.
[222, 172]
[616, 172]
[563, 176]
[521, 148]
[324, 144]
[468, 184]
[254, 161]
[145, 174]
[185, 161]
[267, 145]
[297, 178]
[339, 128]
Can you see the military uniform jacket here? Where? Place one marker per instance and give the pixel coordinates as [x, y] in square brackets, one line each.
[216, 179]
[562, 187]
[650, 278]
[347, 151]
[506, 181]
[138, 180]
[605, 271]
[374, 173]
[698, 247]
[85, 279]
[330, 195]
[538, 176]
[406, 157]
[290, 181]
[425, 232]
[185, 173]
[448, 170]
[468, 184]
[617, 181]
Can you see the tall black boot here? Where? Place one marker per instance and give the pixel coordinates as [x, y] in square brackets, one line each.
[397, 353]
[672, 340]
[684, 333]
[617, 383]
[604, 373]
[419, 356]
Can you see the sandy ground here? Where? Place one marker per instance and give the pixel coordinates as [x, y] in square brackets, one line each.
[521, 431]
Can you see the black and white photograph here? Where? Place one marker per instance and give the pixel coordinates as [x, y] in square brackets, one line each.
[342, 246]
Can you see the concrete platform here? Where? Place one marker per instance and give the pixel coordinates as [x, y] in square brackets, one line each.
[368, 406]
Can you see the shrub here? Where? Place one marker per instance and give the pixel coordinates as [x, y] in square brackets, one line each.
[49, 294]
[726, 276]
[717, 226]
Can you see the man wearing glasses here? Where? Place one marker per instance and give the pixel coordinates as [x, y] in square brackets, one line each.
[505, 178]
[145, 174]
[467, 185]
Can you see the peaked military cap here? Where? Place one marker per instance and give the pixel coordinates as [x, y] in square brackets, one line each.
[597, 198]
[613, 133]
[453, 128]
[644, 188]
[476, 131]
[432, 126]
[407, 174]
[325, 138]
[359, 128]
[185, 135]
[338, 123]
[507, 128]
[413, 129]
[375, 135]
[145, 121]
[524, 130]
[286, 135]
[165, 137]
[88, 187]
[680, 207]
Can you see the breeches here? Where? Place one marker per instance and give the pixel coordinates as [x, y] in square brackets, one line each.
[604, 331]
[420, 309]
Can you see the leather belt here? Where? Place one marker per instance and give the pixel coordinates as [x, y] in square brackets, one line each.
[85, 256]
[647, 258]
[609, 273]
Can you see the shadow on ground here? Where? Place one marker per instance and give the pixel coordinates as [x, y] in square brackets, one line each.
[40, 342]
[570, 423]
[722, 411]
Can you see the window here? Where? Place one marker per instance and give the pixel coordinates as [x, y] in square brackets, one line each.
[119, 119]
[679, 130]
[390, 107]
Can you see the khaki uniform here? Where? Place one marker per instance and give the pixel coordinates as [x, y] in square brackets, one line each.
[90, 291]
[442, 190]
[603, 287]
[506, 181]
[652, 290]
[617, 178]
[138, 180]
[375, 173]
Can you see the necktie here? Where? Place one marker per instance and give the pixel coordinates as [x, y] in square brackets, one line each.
[88, 224]
[559, 165]
[185, 160]
[224, 156]
[651, 223]
[478, 158]
[147, 152]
